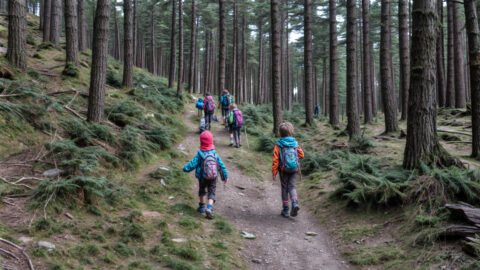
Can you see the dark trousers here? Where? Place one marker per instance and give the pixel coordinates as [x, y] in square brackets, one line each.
[207, 187]
[288, 181]
[237, 134]
[208, 119]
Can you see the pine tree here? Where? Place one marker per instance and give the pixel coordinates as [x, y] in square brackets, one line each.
[71, 32]
[46, 20]
[223, 45]
[366, 82]
[180, 48]
[308, 62]
[460, 89]
[173, 45]
[334, 109]
[404, 51]
[55, 21]
[276, 59]
[17, 37]
[353, 125]
[127, 44]
[96, 98]
[82, 27]
[450, 95]
[193, 49]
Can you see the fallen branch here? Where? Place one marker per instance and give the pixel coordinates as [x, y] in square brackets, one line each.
[7, 202]
[11, 95]
[71, 91]
[15, 184]
[74, 112]
[9, 254]
[30, 264]
[453, 131]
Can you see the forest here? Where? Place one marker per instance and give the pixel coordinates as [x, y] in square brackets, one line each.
[98, 116]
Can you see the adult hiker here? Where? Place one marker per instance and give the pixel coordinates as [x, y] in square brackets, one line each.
[286, 161]
[207, 164]
[209, 109]
[225, 101]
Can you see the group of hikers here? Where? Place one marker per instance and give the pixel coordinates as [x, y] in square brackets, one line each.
[209, 166]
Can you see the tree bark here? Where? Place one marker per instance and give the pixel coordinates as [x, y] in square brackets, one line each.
[42, 7]
[46, 20]
[193, 41]
[441, 87]
[276, 55]
[422, 144]
[471, 18]
[17, 33]
[460, 92]
[388, 93]
[404, 51]
[180, 49]
[96, 98]
[82, 29]
[223, 45]
[127, 44]
[307, 58]
[135, 32]
[367, 83]
[235, 54]
[260, 88]
[116, 47]
[353, 120]
[55, 21]
[173, 45]
[333, 64]
[244, 56]
[71, 31]
[450, 96]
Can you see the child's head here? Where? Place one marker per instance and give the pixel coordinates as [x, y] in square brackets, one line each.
[286, 129]
[207, 94]
[225, 91]
[206, 141]
[233, 106]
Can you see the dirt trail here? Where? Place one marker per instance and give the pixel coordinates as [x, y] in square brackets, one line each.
[280, 243]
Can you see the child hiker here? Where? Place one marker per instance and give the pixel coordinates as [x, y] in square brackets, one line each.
[286, 161]
[226, 101]
[209, 109]
[235, 124]
[207, 165]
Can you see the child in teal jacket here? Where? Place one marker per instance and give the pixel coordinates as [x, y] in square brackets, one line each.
[206, 187]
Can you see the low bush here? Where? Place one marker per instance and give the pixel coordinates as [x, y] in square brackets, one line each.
[266, 143]
[360, 145]
[314, 161]
[160, 136]
[134, 148]
[70, 70]
[113, 78]
[126, 112]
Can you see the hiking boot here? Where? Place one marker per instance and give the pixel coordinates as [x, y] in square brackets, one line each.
[209, 213]
[285, 211]
[237, 146]
[295, 208]
[231, 142]
[201, 208]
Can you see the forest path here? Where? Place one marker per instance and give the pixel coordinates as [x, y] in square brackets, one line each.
[255, 208]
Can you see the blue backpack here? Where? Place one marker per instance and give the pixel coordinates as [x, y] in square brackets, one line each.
[226, 100]
[289, 160]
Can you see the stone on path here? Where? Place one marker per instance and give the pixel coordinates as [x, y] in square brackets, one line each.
[179, 240]
[25, 239]
[311, 233]
[151, 214]
[45, 244]
[248, 235]
[52, 173]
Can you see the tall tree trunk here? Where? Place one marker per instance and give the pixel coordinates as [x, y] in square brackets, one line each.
[173, 45]
[180, 49]
[96, 98]
[308, 61]
[82, 28]
[404, 55]
[153, 45]
[441, 89]
[116, 45]
[471, 18]
[460, 92]
[235, 54]
[450, 96]
[388, 93]
[324, 87]
[46, 19]
[55, 21]
[333, 64]
[367, 83]
[193, 41]
[244, 56]
[17, 33]
[260, 88]
[127, 44]
[71, 31]
[223, 45]
[275, 44]
[135, 32]
[422, 142]
[42, 7]
[353, 120]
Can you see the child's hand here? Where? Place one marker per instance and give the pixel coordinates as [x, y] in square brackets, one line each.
[274, 176]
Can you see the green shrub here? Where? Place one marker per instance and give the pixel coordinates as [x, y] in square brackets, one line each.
[70, 70]
[31, 40]
[360, 145]
[134, 148]
[12, 109]
[124, 113]
[113, 78]
[160, 135]
[46, 45]
[266, 143]
[314, 161]
[179, 265]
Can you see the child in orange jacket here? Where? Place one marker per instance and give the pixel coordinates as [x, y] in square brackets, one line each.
[286, 161]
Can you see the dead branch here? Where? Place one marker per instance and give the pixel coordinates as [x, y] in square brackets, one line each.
[74, 112]
[9, 254]
[71, 91]
[46, 204]
[15, 184]
[30, 264]
[10, 95]
[453, 131]
[7, 202]
[28, 178]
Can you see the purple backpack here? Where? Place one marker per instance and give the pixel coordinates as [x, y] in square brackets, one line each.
[210, 166]
[238, 118]
[210, 104]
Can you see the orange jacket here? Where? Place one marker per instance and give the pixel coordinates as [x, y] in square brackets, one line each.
[276, 158]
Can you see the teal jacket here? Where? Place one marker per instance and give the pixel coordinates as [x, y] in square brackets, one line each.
[287, 142]
[197, 162]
